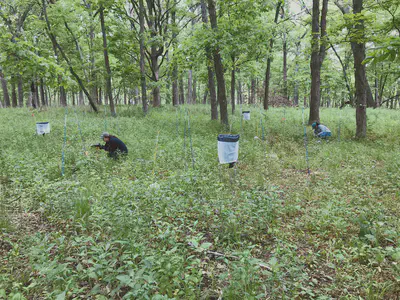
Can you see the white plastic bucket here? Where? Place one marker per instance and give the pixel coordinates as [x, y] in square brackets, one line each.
[228, 148]
[246, 115]
[42, 127]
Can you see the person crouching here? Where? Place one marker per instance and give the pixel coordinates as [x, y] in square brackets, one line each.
[321, 131]
[114, 146]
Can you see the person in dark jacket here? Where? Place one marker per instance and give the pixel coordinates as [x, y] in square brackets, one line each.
[113, 146]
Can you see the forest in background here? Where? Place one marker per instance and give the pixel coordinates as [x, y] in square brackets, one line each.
[158, 52]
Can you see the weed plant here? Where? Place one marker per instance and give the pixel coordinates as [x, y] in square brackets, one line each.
[152, 226]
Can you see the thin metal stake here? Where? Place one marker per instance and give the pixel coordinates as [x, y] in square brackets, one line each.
[190, 138]
[64, 143]
[306, 147]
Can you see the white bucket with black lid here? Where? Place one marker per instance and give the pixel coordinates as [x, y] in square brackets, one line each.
[228, 148]
[42, 127]
[246, 115]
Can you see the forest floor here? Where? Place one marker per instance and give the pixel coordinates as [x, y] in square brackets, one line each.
[169, 222]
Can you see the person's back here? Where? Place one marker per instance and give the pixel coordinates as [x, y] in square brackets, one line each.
[321, 130]
[115, 144]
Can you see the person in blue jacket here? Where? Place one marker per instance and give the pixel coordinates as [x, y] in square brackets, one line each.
[320, 130]
[114, 146]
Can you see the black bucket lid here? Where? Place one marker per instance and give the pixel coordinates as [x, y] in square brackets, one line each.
[42, 122]
[246, 112]
[232, 138]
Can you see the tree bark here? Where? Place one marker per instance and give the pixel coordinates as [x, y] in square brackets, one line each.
[317, 57]
[6, 95]
[181, 91]
[210, 72]
[142, 58]
[205, 96]
[285, 86]
[194, 96]
[219, 69]
[360, 74]
[42, 97]
[34, 99]
[20, 92]
[190, 87]
[107, 63]
[14, 102]
[269, 59]
[252, 92]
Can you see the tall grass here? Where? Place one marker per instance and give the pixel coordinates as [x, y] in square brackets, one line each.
[152, 226]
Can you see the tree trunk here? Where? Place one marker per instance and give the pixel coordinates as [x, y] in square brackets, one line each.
[360, 74]
[42, 97]
[240, 92]
[181, 91]
[317, 57]
[219, 69]
[205, 96]
[6, 95]
[210, 72]
[194, 96]
[14, 102]
[190, 88]
[81, 100]
[268, 71]
[156, 89]
[20, 92]
[252, 92]
[34, 102]
[142, 58]
[285, 87]
[106, 63]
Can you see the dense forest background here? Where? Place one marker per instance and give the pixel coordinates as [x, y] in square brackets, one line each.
[221, 53]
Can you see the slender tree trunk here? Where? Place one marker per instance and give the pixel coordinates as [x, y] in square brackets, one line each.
[194, 90]
[20, 92]
[181, 91]
[6, 95]
[14, 102]
[252, 91]
[81, 100]
[33, 95]
[317, 57]
[142, 58]
[42, 97]
[46, 96]
[107, 63]
[285, 86]
[240, 92]
[377, 104]
[269, 59]
[190, 88]
[210, 72]
[360, 74]
[205, 96]
[219, 69]
[156, 89]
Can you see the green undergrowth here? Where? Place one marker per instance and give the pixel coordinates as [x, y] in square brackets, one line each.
[169, 222]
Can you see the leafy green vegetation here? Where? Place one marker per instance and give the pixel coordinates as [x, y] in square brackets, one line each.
[153, 227]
